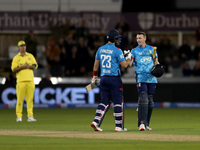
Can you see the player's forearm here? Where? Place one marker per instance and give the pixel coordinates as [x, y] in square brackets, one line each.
[128, 62]
[17, 69]
[96, 65]
[32, 67]
[125, 63]
[95, 68]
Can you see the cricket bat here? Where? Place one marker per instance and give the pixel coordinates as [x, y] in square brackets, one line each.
[91, 86]
[154, 52]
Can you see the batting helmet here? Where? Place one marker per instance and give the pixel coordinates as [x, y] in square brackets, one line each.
[157, 70]
[113, 36]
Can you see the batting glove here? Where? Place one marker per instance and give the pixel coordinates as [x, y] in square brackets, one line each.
[127, 54]
[94, 79]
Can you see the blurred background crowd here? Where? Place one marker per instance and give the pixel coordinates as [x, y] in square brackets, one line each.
[71, 51]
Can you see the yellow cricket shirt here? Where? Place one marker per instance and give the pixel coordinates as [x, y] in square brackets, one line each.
[25, 74]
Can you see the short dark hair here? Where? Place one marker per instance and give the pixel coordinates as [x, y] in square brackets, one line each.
[141, 33]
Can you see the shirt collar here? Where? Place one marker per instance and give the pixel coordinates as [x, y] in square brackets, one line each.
[110, 44]
[21, 55]
[141, 47]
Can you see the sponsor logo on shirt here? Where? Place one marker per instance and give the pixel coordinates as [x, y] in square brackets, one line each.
[145, 59]
[121, 56]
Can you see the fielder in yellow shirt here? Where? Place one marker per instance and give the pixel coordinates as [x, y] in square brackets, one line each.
[23, 64]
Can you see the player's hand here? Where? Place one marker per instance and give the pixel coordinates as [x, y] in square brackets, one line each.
[127, 54]
[94, 79]
[26, 65]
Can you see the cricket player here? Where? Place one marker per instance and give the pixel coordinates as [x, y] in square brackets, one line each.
[109, 57]
[23, 65]
[143, 60]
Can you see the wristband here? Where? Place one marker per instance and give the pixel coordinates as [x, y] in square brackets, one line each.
[95, 73]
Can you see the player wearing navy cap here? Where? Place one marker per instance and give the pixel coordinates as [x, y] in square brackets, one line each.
[144, 57]
[109, 57]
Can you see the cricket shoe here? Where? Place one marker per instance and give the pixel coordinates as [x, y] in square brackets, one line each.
[19, 119]
[142, 127]
[31, 119]
[148, 129]
[118, 129]
[94, 125]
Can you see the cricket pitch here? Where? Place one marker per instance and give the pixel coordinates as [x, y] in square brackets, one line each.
[101, 135]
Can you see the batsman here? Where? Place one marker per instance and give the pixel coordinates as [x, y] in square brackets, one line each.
[109, 57]
[147, 68]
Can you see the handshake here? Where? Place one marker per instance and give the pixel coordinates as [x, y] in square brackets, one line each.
[127, 55]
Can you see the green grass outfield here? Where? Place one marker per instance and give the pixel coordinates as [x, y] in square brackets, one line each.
[173, 122]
